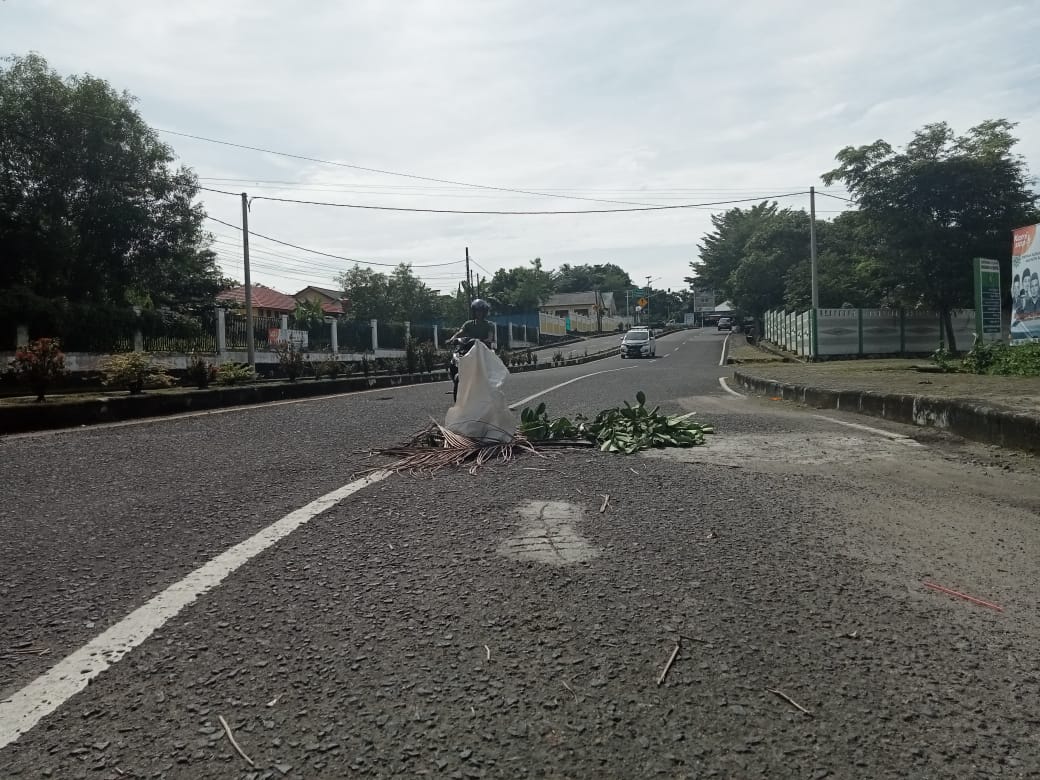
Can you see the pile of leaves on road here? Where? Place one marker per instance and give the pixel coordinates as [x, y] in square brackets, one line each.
[626, 430]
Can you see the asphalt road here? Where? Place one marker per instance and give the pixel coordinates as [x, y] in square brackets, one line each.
[500, 625]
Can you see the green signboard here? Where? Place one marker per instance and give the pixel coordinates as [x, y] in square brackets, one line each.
[987, 299]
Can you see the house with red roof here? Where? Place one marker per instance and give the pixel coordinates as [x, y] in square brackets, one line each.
[333, 302]
[267, 302]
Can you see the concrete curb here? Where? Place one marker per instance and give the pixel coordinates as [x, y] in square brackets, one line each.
[1015, 430]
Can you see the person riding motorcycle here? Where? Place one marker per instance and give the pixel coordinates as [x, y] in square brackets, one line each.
[477, 328]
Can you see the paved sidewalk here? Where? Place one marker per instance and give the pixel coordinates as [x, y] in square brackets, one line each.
[993, 409]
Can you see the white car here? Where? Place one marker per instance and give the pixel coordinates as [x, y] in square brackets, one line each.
[639, 342]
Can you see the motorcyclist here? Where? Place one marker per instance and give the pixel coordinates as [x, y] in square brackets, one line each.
[477, 328]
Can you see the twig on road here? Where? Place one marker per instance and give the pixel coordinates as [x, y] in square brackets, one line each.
[231, 737]
[964, 596]
[274, 701]
[606, 501]
[633, 471]
[789, 700]
[668, 665]
[488, 651]
[569, 688]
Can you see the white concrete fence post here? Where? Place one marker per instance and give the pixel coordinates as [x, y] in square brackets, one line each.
[375, 334]
[221, 331]
[334, 336]
[436, 337]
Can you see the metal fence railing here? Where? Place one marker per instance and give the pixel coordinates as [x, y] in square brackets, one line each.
[392, 335]
[170, 332]
[422, 333]
[353, 336]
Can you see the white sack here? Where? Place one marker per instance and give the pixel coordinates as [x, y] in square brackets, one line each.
[481, 411]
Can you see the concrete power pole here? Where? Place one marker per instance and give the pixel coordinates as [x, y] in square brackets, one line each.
[469, 279]
[250, 346]
[812, 248]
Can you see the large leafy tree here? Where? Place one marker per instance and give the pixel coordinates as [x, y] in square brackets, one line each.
[779, 242]
[606, 277]
[937, 203]
[521, 289]
[723, 249]
[92, 208]
[848, 266]
[398, 297]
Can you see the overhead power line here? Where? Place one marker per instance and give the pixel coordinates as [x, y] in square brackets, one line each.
[671, 207]
[385, 172]
[836, 197]
[327, 254]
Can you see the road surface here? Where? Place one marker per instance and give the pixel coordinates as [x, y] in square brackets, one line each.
[231, 565]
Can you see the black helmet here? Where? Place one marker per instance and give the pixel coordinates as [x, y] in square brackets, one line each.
[480, 304]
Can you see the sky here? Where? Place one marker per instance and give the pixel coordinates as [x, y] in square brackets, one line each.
[612, 103]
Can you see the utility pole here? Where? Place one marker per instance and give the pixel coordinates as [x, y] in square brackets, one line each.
[599, 311]
[647, 309]
[812, 248]
[469, 279]
[250, 346]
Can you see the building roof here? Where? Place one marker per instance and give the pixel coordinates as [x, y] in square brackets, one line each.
[263, 298]
[335, 295]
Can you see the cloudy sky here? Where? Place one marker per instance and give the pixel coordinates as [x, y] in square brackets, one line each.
[663, 102]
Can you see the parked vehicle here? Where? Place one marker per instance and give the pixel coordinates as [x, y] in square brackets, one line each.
[725, 323]
[639, 342]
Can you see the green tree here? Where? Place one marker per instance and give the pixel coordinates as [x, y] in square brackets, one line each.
[776, 246]
[606, 277]
[92, 208]
[722, 251]
[522, 288]
[848, 252]
[367, 292]
[409, 298]
[400, 297]
[308, 314]
[938, 203]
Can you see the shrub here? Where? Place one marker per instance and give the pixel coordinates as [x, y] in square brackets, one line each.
[235, 374]
[1003, 359]
[411, 355]
[134, 371]
[200, 372]
[38, 364]
[290, 358]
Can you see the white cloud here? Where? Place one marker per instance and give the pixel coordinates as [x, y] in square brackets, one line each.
[662, 103]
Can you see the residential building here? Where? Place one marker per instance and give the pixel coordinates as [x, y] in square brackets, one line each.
[582, 304]
[333, 302]
[267, 302]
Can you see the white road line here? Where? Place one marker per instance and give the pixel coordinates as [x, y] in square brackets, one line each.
[728, 389]
[26, 707]
[725, 346]
[564, 384]
[870, 429]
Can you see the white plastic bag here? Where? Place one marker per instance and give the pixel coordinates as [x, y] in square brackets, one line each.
[481, 412]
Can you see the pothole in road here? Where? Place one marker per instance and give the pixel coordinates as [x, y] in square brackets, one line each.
[547, 535]
[784, 451]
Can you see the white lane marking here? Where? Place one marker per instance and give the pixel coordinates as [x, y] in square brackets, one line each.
[903, 439]
[564, 384]
[26, 707]
[728, 389]
[725, 346]
[205, 413]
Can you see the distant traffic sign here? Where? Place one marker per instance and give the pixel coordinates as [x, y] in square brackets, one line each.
[642, 301]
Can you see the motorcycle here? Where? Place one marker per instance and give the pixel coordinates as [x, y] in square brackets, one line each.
[462, 346]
